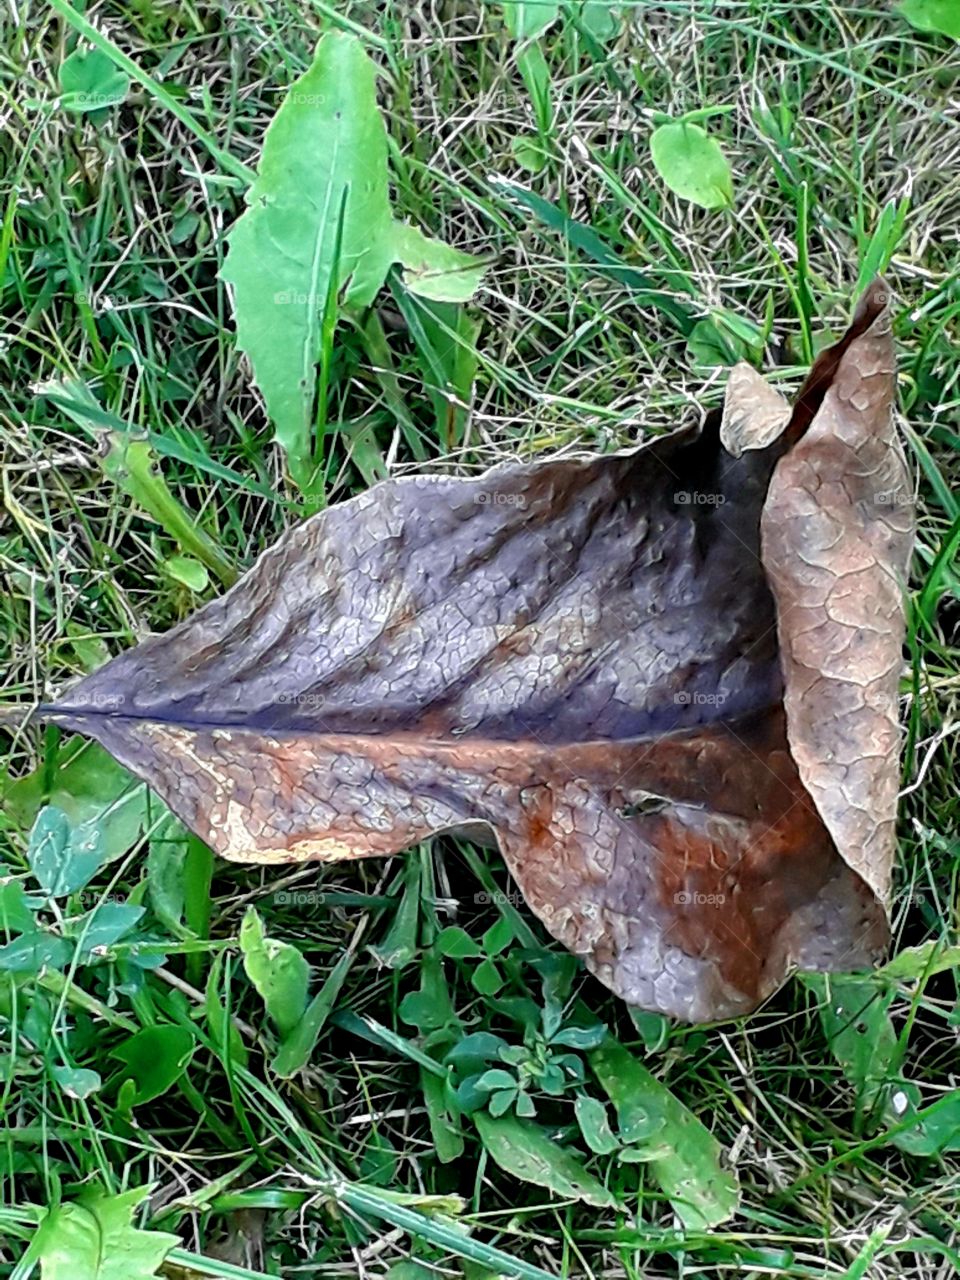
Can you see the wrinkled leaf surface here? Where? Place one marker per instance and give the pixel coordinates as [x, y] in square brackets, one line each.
[665, 679]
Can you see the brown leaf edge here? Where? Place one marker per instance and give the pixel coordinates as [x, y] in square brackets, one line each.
[837, 535]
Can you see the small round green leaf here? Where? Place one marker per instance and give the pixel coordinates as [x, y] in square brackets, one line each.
[496, 1078]
[502, 1101]
[191, 573]
[487, 978]
[692, 165]
[525, 19]
[62, 857]
[77, 1082]
[32, 952]
[599, 18]
[529, 153]
[457, 943]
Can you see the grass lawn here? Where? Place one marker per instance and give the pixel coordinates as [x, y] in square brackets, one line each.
[819, 1137]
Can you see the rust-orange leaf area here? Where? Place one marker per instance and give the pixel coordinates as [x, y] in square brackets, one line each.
[665, 680]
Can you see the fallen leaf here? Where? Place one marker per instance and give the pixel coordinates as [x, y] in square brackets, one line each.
[666, 679]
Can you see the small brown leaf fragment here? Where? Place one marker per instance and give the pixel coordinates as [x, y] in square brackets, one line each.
[754, 413]
[585, 657]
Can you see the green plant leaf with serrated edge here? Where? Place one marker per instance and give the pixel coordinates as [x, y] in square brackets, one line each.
[921, 961]
[278, 971]
[684, 1156]
[319, 235]
[522, 1148]
[692, 164]
[93, 1237]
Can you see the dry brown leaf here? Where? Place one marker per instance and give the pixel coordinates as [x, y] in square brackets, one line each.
[666, 679]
